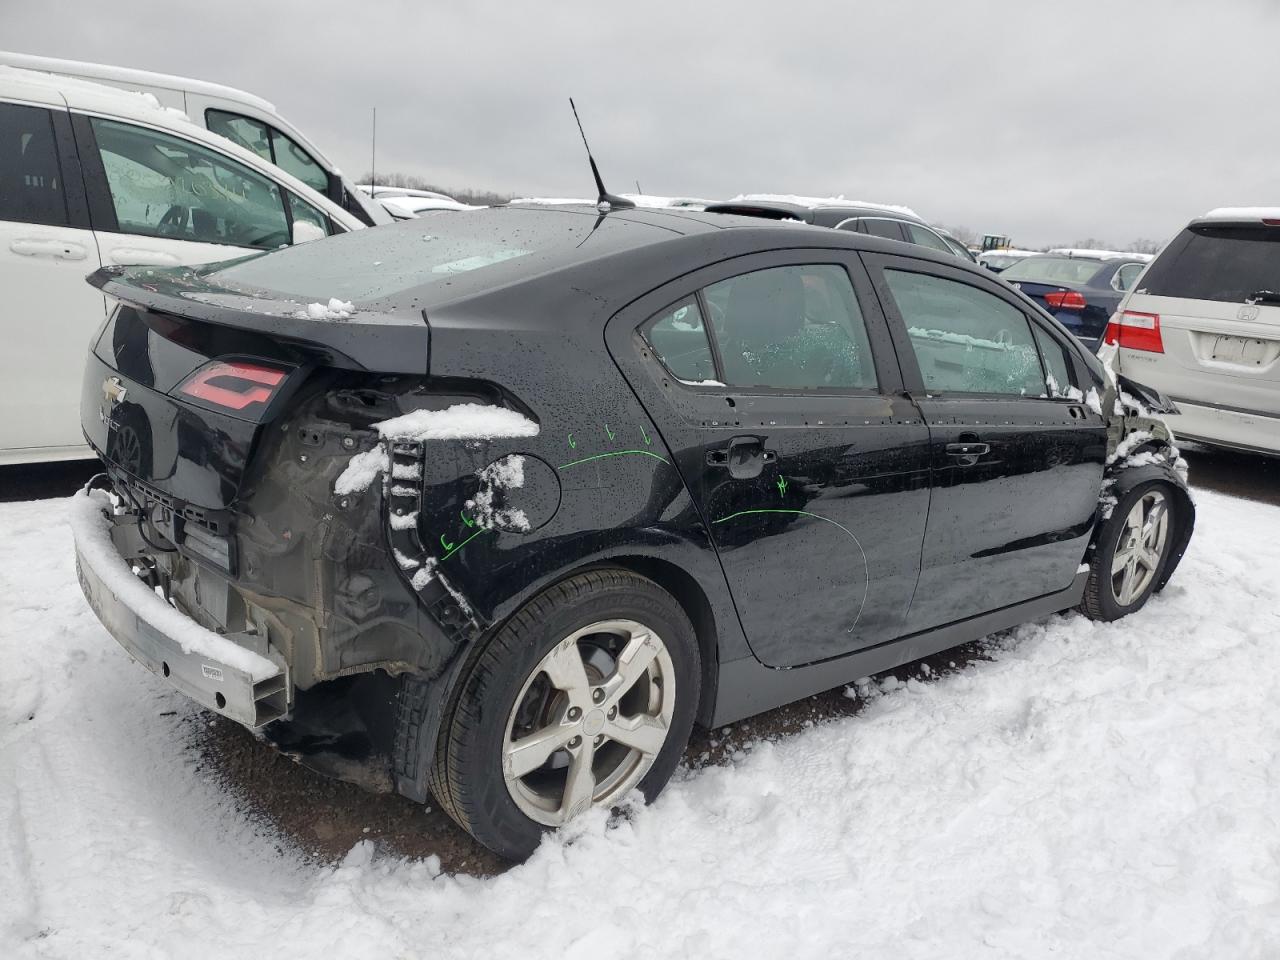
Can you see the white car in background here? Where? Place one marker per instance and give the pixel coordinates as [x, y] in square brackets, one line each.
[241, 117]
[406, 208]
[92, 176]
[1202, 325]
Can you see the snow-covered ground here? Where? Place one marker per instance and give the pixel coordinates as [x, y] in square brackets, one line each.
[1093, 791]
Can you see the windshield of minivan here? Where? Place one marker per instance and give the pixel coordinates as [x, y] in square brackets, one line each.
[1227, 263]
[1052, 270]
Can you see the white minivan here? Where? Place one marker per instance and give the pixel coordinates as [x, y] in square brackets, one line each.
[1202, 325]
[241, 117]
[93, 176]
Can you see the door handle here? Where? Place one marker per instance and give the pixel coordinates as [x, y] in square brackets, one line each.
[966, 454]
[743, 457]
[58, 249]
[142, 257]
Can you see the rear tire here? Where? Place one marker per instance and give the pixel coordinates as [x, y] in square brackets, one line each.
[589, 691]
[1131, 552]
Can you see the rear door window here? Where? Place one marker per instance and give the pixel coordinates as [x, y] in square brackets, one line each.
[966, 340]
[925, 237]
[795, 327]
[678, 337]
[30, 185]
[1124, 277]
[880, 227]
[1227, 263]
[164, 186]
[1052, 270]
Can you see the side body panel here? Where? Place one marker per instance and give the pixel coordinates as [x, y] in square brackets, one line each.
[821, 547]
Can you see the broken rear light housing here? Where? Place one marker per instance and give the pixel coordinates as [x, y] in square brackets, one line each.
[240, 388]
[1135, 331]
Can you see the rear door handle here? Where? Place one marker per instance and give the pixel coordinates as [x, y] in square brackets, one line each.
[743, 457]
[967, 453]
[58, 249]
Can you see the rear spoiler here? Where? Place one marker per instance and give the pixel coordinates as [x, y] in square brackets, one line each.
[369, 340]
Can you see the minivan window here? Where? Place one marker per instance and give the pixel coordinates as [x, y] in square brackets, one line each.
[30, 187]
[1052, 270]
[292, 159]
[163, 186]
[270, 144]
[1227, 263]
[880, 227]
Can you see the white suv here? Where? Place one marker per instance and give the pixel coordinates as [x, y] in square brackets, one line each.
[93, 176]
[1202, 325]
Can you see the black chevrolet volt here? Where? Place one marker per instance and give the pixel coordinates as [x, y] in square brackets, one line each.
[495, 508]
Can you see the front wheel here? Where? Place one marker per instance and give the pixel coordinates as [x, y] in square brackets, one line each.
[587, 693]
[1133, 547]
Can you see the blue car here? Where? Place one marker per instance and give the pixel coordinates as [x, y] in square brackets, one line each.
[1082, 289]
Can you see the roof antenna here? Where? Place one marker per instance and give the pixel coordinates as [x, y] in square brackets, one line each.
[607, 200]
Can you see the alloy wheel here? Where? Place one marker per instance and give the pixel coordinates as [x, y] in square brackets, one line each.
[589, 721]
[1139, 548]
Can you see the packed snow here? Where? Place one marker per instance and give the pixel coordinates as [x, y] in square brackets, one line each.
[462, 421]
[1095, 790]
[335, 309]
[91, 529]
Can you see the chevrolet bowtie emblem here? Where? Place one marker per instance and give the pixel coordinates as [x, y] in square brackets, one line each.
[113, 390]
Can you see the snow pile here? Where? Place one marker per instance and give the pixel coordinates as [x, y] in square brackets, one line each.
[1101, 254]
[1095, 790]
[91, 529]
[335, 309]
[462, 421]
[504, 474]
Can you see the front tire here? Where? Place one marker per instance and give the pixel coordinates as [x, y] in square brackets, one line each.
[589, 691]
[1132, 549]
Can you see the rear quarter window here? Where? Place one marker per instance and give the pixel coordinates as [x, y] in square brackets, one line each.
[1053, 270]
[1227, 263]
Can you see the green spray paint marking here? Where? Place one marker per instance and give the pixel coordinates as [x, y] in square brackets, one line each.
[466, 520]
[647, 441]
[616, 453]
[782, 486]
[573, 444]
[446, 544]
[815, 516]
[454, 548]
[609, 432]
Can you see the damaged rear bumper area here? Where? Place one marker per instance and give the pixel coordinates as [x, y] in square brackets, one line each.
[240, 676]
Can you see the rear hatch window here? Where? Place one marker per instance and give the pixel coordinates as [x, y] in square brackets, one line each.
[1230, 263]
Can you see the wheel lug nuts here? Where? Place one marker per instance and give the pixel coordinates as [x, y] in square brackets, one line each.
[599, 739]
[576, 741]
[574, 713]
[597, 695]
[613, 712]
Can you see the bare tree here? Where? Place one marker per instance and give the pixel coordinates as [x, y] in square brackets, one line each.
[1143, 245]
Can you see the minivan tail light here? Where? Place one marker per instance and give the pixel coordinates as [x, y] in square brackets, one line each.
[1135, 331]
[1065, 300]
[234, 386]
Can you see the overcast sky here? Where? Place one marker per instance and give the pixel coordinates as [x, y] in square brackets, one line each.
[1050, 122]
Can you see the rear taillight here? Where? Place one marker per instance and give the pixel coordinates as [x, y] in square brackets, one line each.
[234, 386]
[1066, 300]
[1135, 331]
